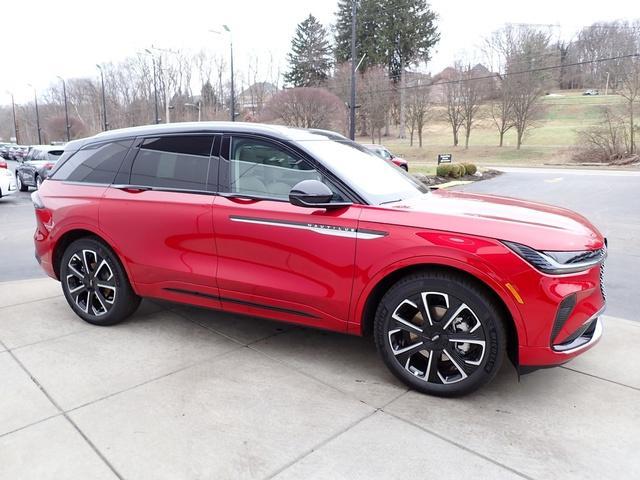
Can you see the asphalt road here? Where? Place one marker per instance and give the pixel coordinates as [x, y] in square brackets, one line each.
[610, 199]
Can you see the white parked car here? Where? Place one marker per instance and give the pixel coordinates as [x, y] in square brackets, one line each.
[7, 182]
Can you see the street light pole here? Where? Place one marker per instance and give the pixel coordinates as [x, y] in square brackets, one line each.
[66, 108]
[15, 122]
[105, 124]
[233, 92]
[352, 106]
[35, 99]
[155, 83]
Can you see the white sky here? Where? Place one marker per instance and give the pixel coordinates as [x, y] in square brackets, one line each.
[41, 39]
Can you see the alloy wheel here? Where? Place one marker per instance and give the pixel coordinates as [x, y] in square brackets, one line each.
[19, 181]
[91, 282]
[437, 338]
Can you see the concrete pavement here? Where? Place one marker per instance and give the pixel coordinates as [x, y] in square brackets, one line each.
[179, 392]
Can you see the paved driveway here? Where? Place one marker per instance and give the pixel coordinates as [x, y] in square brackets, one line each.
[610, 199]
[187, 393]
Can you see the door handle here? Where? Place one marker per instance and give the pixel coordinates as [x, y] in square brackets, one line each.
[132, 188]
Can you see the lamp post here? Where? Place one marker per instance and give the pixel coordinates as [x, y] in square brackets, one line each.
[233, 93]
[15, 122]
[198, 106]
[105, 124]
[35, 99]
[155, 83]
[66, 108]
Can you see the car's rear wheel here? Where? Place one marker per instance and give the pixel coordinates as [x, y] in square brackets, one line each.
[95, 284]
[21, 186]
[440, 333]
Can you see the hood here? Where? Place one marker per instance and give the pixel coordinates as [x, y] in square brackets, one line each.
[540, 226]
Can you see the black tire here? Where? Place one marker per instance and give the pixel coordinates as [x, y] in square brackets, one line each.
[456, 308]
[38, 181]
[21, 186]
[103, 296]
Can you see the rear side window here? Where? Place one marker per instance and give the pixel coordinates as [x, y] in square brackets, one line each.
[175, 162]
[94, 164]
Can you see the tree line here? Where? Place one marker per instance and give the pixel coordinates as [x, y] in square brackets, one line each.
[516, 66]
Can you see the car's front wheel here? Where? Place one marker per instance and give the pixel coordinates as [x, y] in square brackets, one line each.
[440, 333]
[38, 181]
[95, 283]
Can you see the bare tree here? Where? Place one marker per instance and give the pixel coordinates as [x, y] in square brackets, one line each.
[453, 101]
[501, 109]
[417, 109]
[472, 94]
[306, 107]
[521, 54]
[607, 141]
[375, 100]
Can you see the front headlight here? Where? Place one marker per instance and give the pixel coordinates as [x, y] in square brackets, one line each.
[558, 263]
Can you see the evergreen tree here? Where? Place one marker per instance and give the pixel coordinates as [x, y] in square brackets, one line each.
[310, 57]
[394, 33]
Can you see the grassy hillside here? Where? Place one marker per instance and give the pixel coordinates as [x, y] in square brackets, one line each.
[550, 141]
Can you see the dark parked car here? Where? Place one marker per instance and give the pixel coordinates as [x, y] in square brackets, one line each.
[4, 150]
[35, 167]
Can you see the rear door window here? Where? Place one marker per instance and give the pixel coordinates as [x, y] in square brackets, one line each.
[96, 163]
[180, 162]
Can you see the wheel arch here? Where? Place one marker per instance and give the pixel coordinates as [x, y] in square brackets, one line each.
[387, 281]
[74, 234]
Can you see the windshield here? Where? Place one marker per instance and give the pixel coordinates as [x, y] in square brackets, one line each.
[377, 180]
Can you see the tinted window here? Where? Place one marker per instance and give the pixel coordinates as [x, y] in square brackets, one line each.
[94, 164]
[180, 162]
[261, 168]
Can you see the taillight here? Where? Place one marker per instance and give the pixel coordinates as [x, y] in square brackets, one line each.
[37, 201]
[3, 164]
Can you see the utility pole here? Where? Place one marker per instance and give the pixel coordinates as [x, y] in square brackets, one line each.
[105, 124]
[606, 88]
[66, 108]
[352, 105]
[155, 84]
[35, 99]
[15, 122]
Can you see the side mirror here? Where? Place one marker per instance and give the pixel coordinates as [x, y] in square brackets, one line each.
[313, 194]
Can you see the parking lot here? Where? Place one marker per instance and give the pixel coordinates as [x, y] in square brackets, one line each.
[180, 392]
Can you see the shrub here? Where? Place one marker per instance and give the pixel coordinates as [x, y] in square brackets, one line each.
[470, 168]
[456, 170]
[444, 170]
[463, 170]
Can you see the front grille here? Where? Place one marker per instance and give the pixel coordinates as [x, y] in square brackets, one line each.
[588, 256]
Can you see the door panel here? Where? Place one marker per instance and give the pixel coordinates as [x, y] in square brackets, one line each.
[167, 238]
[274, 254]
[162, 220]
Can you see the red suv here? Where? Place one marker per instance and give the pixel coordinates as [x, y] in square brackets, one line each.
[306, 228]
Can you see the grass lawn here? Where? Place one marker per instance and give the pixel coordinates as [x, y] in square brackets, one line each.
[551, 141]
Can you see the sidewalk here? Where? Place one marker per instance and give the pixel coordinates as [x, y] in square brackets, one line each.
[179, 392]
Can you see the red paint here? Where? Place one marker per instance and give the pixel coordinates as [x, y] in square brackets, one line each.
[191, 242]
